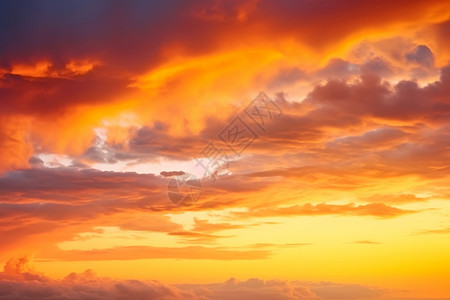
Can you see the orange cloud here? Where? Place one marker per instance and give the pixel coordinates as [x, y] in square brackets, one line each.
[374, 209]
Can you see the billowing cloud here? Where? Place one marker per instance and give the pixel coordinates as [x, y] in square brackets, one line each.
[25, 283]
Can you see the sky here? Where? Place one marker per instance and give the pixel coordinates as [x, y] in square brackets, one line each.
[225, 149]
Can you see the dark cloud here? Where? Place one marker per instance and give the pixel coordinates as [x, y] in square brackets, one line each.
[421, 55]
[66, 184]
[373, 139]
[134, 32]
[172, 173]
[18, 281]
[336, 291]
[72, 30]
[285, 77]
[339, 69]
[377, 65]
[50, 96]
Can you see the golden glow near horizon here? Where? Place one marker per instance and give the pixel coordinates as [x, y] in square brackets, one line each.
[338, 190]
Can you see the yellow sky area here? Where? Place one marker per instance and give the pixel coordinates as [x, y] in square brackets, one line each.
[403, 259]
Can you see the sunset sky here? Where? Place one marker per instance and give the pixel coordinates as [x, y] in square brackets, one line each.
[343, 192]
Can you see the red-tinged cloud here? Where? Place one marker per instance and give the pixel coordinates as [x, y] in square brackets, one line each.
[23, 282]
[148, 32]
[77, 87]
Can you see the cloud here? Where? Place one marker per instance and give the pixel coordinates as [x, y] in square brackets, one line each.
[364, 90]
[378, 66]
[336, 291]
[197, 237]
[370, 139]
[88, 285]
[206, 226]
[66, 184]
[366, 242]
[15, 266]
[395, 199]
[14, 148]
[56, 204]
[148, 252]
[85, 285]
[374, 209]
[421, 55]
[20, 281]
[171, 173]
[267, 245]
[259, 289]
[287, 76]
[436, 231]
[339, 69]
[85, 85]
